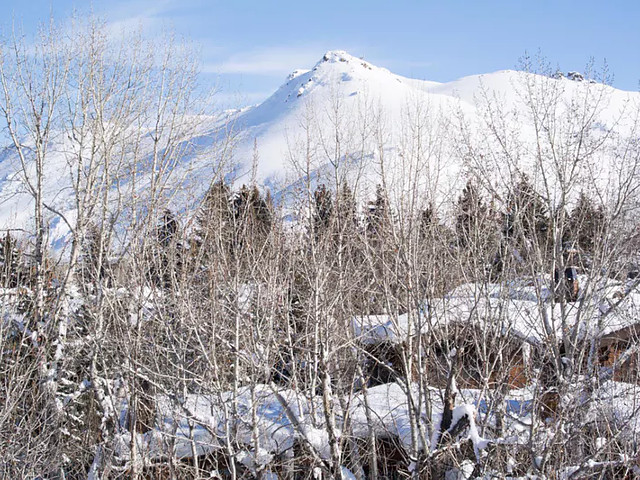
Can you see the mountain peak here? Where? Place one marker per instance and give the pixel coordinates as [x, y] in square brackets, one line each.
[333, 64]
[334, 56]
[337, 56]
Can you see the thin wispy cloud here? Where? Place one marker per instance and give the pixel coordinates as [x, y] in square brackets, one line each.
[148, 16]
[267, 61]
[418, 64]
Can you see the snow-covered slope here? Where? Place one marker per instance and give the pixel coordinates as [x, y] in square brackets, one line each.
[343, 108]
[349, 107]
[343, 118]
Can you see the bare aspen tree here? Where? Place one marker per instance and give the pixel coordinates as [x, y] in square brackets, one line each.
[33, 84]
[535, 177]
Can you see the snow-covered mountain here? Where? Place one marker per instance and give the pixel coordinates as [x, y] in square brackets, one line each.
[346, 118]
[351, 107]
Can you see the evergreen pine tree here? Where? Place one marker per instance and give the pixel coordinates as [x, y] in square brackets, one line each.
[167, 228]
[428, 220]
[378, 216]
[382, 253]
[477, 234]
[527, 216]
[166, 255]
[471, 215]
[10, 269]
[346, 210]
[251, 211]
[587, 224]
[262, 211]
[323, 211]
[213, 222]
[252, 221]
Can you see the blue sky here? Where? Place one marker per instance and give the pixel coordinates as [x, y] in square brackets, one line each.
[248, 47]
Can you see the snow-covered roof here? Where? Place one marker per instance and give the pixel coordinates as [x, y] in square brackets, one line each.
[620, 309]
[516, 308]
[514, 311]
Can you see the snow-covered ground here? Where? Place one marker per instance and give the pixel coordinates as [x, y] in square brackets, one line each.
[203, 423]
[275, 419]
